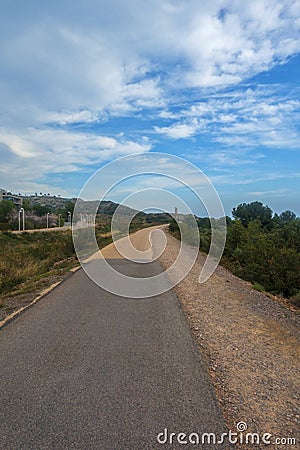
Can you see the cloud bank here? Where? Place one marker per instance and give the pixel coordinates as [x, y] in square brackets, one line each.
[80, 85]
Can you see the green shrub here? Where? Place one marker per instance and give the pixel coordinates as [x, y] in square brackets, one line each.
[267, 255]
[258, 287]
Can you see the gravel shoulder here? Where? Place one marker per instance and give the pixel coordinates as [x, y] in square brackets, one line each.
[252, 345]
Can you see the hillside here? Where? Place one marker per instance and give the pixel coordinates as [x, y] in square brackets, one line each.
[105, 207]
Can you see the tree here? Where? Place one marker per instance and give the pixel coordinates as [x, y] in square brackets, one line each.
[173, 227]
[287, 216]
[247, 212]
[228, 221]
[69, 207]
[26, 204]
[41, 210]
[6, 207]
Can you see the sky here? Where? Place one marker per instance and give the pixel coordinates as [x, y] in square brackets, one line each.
[215, 82]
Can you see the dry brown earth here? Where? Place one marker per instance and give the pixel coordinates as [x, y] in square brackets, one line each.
[252, 347]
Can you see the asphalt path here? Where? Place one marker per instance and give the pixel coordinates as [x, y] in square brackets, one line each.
[85, 369]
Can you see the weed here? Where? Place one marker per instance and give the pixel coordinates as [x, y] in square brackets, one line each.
[258, 287]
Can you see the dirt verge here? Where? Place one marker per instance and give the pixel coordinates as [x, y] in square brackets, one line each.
[252, 347]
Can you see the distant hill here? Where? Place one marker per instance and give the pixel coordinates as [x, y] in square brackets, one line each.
[53, 202]
[106, 207]
[50, 201]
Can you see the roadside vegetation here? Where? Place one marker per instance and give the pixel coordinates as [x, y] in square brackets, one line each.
[44, 212]
[37, 215]
[31, 261]
[261, 247]
[28, 257]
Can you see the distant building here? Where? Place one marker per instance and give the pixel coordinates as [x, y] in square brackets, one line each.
[176, 213]
[4, 195]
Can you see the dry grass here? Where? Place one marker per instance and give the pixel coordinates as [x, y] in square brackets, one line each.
[29, 256]
[30, 262]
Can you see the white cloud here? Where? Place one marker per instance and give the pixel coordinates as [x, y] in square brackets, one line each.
[142, 90]
[253, 117]
[66, 118]
[65, 65]
[272, 192]
[86, 59]
[35, 153]
[68, 147]
[178, 131]
[229, 158]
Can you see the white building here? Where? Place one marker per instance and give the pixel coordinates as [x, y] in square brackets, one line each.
[4, 195]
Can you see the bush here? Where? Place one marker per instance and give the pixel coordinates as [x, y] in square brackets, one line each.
[295, 300]
[267, 256]
[4, 226]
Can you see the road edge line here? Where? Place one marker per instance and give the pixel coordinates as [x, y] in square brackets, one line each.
[42, 294]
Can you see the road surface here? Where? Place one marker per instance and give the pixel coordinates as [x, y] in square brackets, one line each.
[85, 369]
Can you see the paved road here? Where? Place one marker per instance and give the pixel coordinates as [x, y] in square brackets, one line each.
[84, 369]
[135, 247]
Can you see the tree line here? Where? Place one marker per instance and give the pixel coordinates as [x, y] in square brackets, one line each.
[36, 214]
[261, 247]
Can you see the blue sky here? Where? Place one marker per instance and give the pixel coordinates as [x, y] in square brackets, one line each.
[215, 82]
